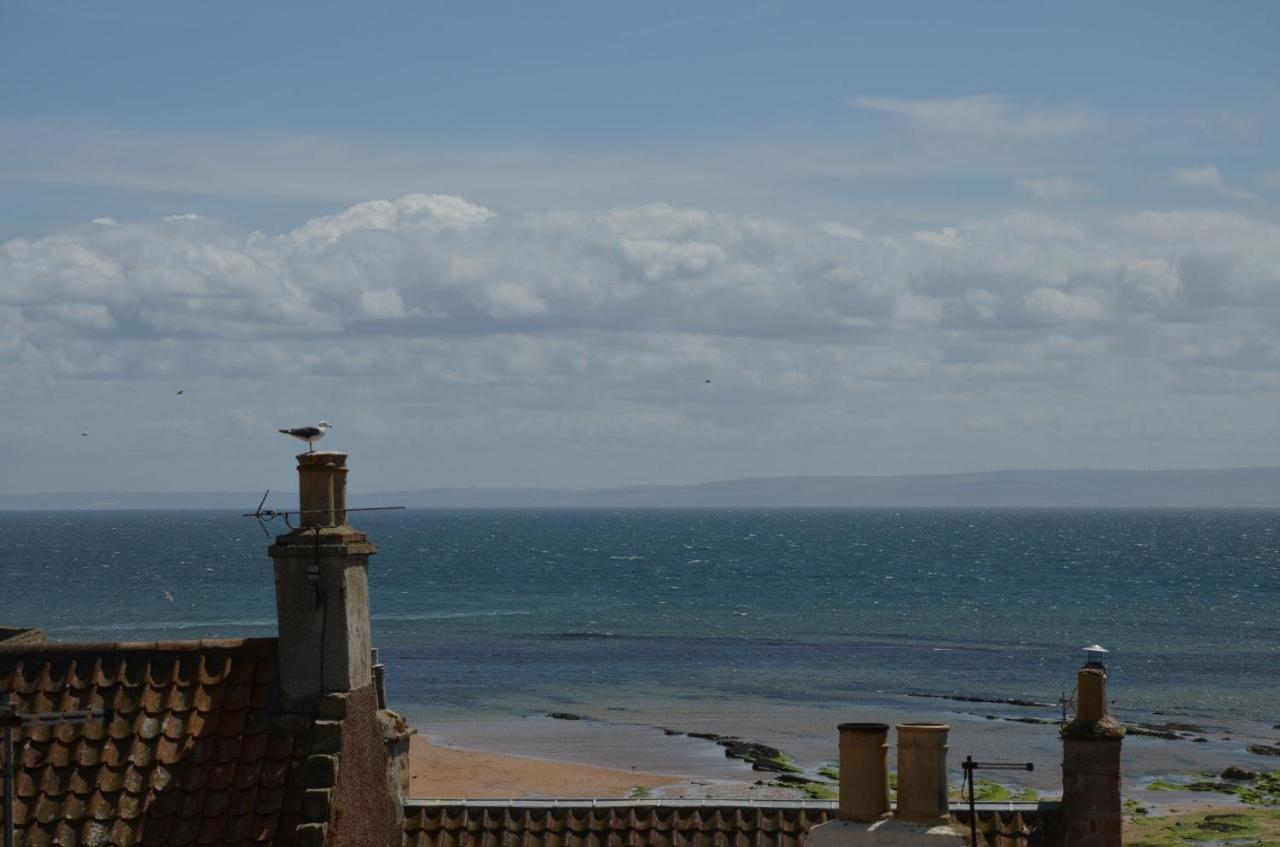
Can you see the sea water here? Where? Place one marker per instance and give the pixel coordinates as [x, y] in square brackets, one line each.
[502, 609]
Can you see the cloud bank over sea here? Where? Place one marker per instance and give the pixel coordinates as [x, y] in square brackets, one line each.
[607, 324]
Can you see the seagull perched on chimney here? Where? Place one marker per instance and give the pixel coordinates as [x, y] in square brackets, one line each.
[309, 434]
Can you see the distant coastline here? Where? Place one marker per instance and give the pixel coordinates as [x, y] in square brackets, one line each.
[1193, 488]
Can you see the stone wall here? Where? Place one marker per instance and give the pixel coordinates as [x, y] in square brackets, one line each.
[349, 800]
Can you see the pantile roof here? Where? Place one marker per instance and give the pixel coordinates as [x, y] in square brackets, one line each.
[655, 824]
[196, 751]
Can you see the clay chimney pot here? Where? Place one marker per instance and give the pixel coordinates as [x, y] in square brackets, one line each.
[922, 772]
[864, 771]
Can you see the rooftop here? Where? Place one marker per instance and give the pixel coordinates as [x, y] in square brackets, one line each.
[196, 750]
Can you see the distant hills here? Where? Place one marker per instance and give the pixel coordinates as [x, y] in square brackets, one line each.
[1225, 488]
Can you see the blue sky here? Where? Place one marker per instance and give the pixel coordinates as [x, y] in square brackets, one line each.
[516, 238]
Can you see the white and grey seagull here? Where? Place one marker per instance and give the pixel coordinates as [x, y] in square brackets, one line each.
[309, 434]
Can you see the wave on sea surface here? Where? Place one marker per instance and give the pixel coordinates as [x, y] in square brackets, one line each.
[795, 603]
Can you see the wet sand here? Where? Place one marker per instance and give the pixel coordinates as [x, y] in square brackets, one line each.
[621, 746]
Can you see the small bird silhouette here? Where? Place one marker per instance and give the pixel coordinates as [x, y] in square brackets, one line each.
[168, 596]
[708, 382]
[179, 391]
[84, 435]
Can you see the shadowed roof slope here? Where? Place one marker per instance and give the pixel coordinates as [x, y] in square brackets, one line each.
[197, 751]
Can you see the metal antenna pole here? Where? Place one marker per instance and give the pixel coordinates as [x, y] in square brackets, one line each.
[970, 767]
[973, 808]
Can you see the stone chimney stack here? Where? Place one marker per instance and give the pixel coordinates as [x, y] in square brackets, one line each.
[322, 590]
[1091, 809]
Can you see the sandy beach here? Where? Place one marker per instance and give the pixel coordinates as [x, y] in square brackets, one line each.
[438, 772]
[620, 751]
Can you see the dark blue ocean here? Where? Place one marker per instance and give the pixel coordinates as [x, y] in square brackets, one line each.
[495, 609]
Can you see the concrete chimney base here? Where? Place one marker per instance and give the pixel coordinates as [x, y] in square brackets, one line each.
[889, 832]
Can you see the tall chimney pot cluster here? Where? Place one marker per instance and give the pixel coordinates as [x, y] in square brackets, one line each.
[922, 772]
[322, 489]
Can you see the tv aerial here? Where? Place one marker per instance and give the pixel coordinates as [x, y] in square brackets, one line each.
[265, 516]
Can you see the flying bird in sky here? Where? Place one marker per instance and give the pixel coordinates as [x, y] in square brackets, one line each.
[180, 391]
[309, 434]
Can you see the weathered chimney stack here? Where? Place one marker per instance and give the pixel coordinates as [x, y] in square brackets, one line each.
[1091, 810]
[322, 590]
[922, 772]
[864, 771]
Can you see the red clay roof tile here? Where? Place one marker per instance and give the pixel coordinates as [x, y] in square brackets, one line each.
[174, 765]
[131, 806]
[163, 805]
[232, 720]
[115, 751]
[155, 832]
[242, 802]
[668, 826]
[103, 804]
[184, 830]
[239, 827]
[237, 697]
[136, 779]
[220, 776]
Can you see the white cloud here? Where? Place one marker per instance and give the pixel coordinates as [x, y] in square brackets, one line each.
[426, 213]
[105, 221]
[382, 303]
[442, 264]
[186, 216]
[590, 322]
[1052, 305]
[93, 315]
[839, 230]
[948, 238]
[511, 300]
[1055, 187]
[986, 114]
[983, 303]
[1209, 177]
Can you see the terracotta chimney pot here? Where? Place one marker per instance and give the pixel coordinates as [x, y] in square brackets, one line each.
[316, 495]
[922, 772]
[1092, 695]
[864, 771]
